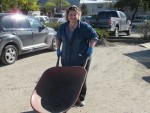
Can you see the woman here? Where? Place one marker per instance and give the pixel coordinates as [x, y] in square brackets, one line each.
[77, 39]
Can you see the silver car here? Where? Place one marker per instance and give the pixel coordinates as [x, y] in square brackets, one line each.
[20, 34]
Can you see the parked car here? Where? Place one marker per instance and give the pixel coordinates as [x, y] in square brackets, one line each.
[140, 20]
[59, 15]
[86, 18]
[57, 20]
[113, 21]
[43, 19]
[20, 34]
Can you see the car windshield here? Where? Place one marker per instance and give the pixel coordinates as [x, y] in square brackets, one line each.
[59, 15]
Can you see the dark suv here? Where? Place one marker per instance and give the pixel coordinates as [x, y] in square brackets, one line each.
[21, 34]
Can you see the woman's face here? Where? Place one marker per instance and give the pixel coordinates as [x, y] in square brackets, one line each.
[73, 16]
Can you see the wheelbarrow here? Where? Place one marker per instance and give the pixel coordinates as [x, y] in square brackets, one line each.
[58, 89]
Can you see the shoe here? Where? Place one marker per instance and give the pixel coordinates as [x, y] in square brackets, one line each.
[82, 103]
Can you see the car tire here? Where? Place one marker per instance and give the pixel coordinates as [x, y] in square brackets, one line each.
[116, 32]
[128, 32]
[9, 55]
[53, 45]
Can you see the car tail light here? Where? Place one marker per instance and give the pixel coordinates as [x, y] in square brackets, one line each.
[110, 21]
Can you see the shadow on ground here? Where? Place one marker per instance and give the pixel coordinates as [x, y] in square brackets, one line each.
[146, 78]
[142, 57]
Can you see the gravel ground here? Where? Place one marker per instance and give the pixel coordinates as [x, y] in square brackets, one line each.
[118, 81]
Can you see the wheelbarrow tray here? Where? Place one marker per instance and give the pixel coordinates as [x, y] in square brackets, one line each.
[58, 89]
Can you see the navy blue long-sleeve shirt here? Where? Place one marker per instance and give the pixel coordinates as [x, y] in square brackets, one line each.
[74, 49]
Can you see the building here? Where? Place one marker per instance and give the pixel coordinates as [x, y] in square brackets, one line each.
[94, 6]
[74, 2]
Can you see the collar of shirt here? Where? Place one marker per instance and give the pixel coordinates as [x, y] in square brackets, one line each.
[79, 22]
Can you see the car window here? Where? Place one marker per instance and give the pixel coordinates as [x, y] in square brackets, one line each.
[19, 22]
[123, 15]
[37, 18]
[34, 23]
[107, 15]
[41, 19]
[6, 22]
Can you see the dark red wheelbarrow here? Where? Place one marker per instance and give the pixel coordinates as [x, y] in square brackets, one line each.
[58, 89]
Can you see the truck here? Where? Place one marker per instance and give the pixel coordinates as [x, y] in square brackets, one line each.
[113, 21]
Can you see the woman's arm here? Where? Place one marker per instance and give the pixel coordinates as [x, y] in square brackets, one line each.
[58, 44]
[92, 43]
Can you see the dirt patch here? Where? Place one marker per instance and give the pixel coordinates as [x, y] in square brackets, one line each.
[118, 80]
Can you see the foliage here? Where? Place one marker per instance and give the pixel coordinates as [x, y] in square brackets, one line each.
[57, 2]
[53, 25]
[24, 5]
[133, 5]
[51, 4]
[102, 33]
[48, 7]
[28, 5]
[144, 30]
[84, 9]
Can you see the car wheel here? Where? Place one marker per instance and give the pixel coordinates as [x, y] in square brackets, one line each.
[129, 31]
[9, 55]
[116, 32]
[53, 46]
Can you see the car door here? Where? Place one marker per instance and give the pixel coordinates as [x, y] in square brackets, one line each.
[40, 33]
[19, 28]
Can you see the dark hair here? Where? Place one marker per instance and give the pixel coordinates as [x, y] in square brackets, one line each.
[73, 8]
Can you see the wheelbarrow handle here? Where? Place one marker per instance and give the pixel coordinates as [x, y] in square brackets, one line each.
[86, 61]
[57, 64]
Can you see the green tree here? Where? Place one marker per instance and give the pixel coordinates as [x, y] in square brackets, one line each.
[27, 5]
[146, 4]
[24, 5]
[49, 7]
[6, 5]
[133, 5]
[60, 4]
[84, 9]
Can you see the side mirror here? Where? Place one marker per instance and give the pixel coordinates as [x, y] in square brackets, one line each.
[41, 27]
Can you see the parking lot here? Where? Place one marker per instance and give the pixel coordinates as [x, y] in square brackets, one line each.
[118, 81]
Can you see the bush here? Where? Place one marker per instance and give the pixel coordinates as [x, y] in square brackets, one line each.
[53, 25]
[102, 33]
[145, 30]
